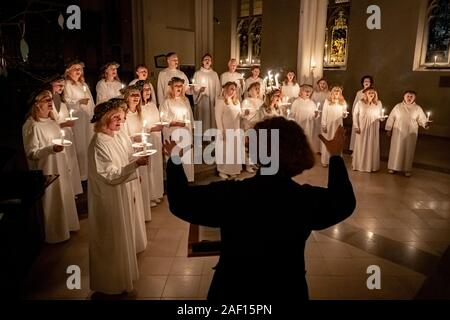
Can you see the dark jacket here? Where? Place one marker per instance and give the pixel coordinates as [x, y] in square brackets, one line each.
[264, 223]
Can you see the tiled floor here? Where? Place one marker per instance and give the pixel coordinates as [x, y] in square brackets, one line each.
[400, 224]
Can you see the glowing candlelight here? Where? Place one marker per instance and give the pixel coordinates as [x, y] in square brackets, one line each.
[144, 143]
[242, 74]
[288, 112]
[84, 88]
[71, 114]
[382, 113]
[62, 137]
[317, 106]
[428, 115]
[193, 81]
[276, 80]
[123, 86]
[435, 58]
[144, 124]
[161, 116]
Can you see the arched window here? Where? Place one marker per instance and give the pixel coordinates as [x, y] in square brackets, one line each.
[336, 35]
[433, 36]
[248, 32]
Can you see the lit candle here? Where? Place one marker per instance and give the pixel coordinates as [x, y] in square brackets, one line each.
[144, 124]
[161, 116]
[71, 114]
[428, 115]
[242, 74]
[435, 58]
[288, 112]
[193, 81]
[144, 143]
[85, 90]
[317, 106]
[276, 79]
[123, 86]
[382, 113]
[62, 137]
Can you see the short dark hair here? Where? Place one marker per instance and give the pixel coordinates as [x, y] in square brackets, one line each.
[295, 154]
[367, 77]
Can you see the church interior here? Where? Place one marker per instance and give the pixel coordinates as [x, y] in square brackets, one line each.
[399, 232]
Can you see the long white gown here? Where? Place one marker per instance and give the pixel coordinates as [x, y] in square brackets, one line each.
[235, 77]
[250, 81]
[152, 90]
[332, 118]
[404, 121]
[155, 169]
[178, 109]
[290, 90]
[318, 97]
[206, 100]
[112, 251]
[358, 97]
[83, 129]
[164, 77]
[107, 90]
[303, 112]
[366, 152]
[71, 153]
[230, 154]
[141, 186]
[60, 212]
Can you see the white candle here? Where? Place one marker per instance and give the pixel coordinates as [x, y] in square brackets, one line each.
[62, 137]
[435, 58]
[84, 88]
[318, 105]
[382, 113]
[428, 115]
[288, 111]
[144, 143]
[193, 81]
[123, 86]
[276, 79]
[242, 74]
[161, 116]
[71, 114]
[144, 124]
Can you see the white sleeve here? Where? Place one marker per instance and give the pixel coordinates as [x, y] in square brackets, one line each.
[391, 119]
[34, 150]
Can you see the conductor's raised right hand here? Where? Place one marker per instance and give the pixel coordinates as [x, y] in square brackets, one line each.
[335, 145]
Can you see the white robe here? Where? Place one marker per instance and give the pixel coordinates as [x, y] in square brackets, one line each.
[83, 129]
[366, 152]
[152, 90]
[253, 104]
[164, 77]
[318, 97]
[404, 121]
[178, 109]
[303, 112]
[141, 186]
[290, 90]
[230, 152]
[250, 81]
[235, 77]
[107, 90]
[332, 118]
[205, 101]
[71, 152]
[358, 97]
[112, 252]
[60, 212]
[155, 169]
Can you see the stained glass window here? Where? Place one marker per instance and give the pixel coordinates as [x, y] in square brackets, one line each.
[248, 32]
[437, 36]
[336, 34]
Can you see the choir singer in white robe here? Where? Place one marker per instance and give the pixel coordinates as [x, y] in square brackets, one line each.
[333, 112]
[366, 122]
[232, 76]
[205, 93]
[154, 126]
[319, 96]
[112, 254]
[230, 152]
[142, 72]
[366, 82]
[290, 87]
[403, 125]
[167, 74]
[177, 111]
[305, 112]
[79, 98]
[256, 71]
[109, 85]
[39, 131]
